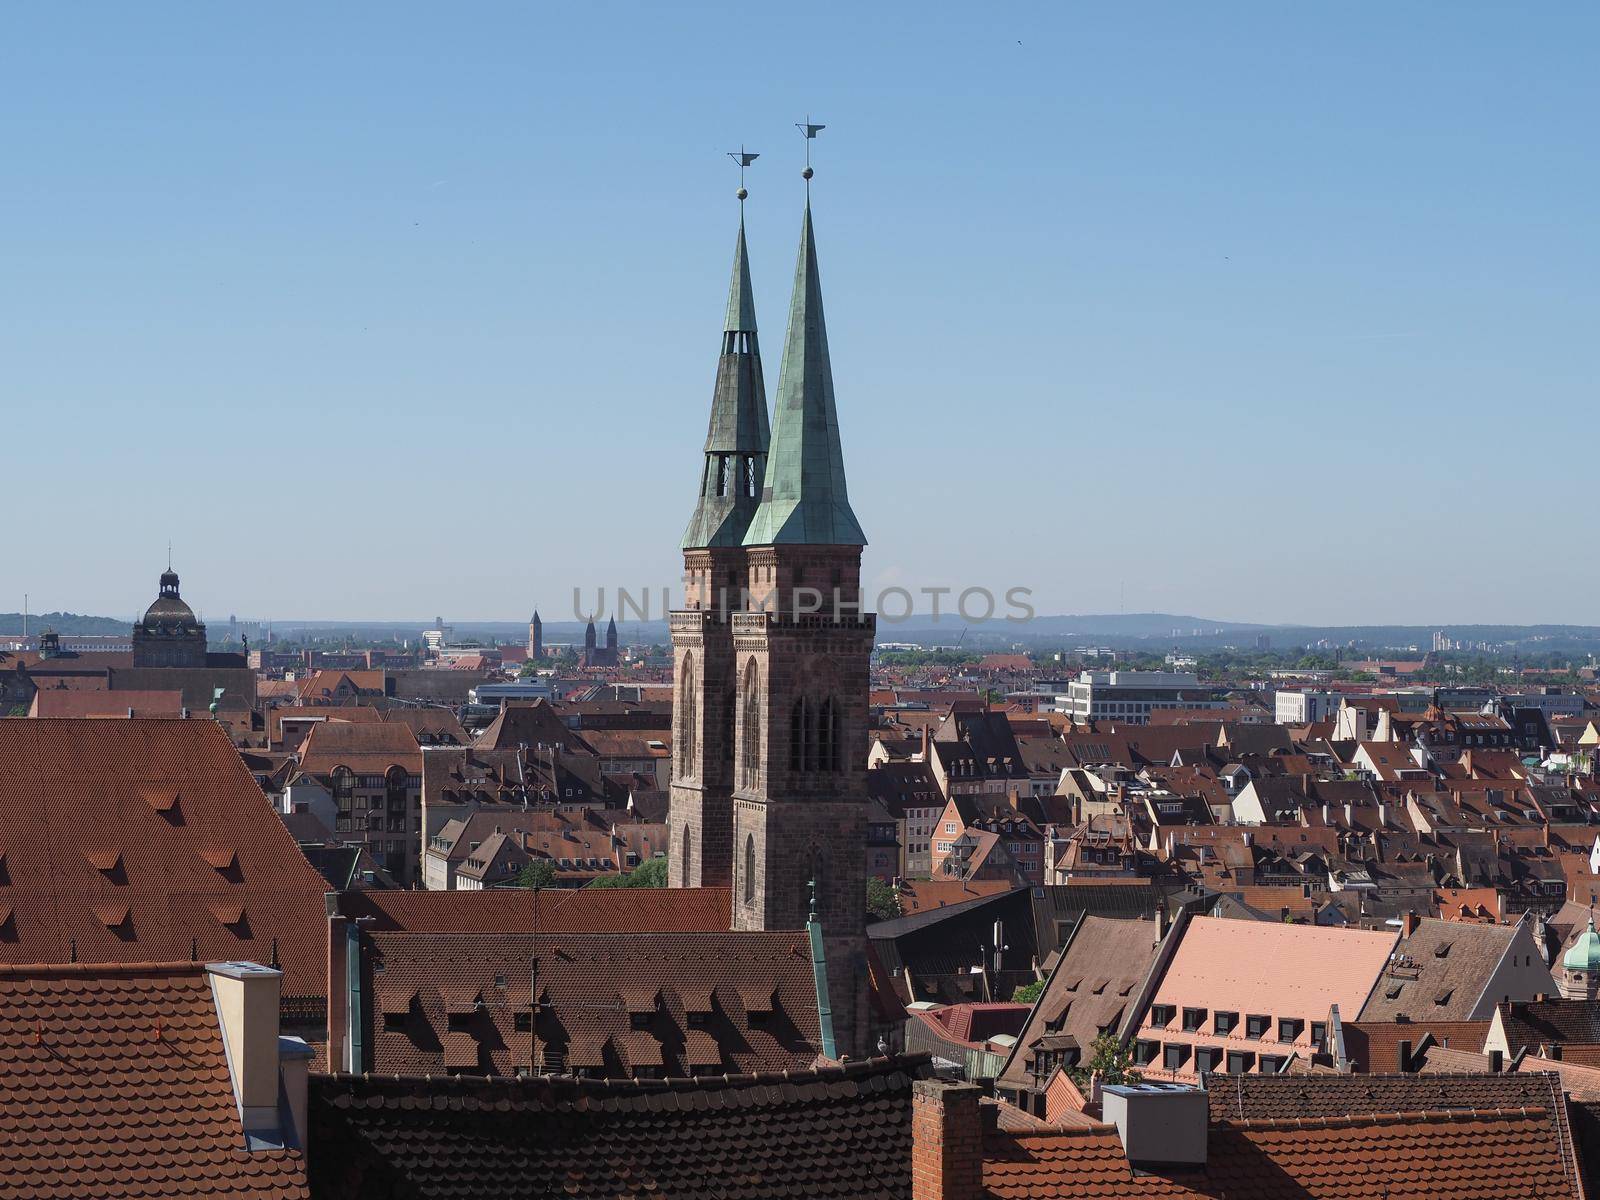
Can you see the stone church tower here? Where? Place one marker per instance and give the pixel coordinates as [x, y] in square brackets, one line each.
[700, 819]
[536, 636]
[801, 655]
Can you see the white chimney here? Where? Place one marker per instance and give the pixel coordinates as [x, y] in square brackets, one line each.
[246, 996]
[1160, 1124]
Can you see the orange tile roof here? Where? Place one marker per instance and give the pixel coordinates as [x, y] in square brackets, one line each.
[116, 1084]
[1461, 1155]
[1270, 969]
[80, 788]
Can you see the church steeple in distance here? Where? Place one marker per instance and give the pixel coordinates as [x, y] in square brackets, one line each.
[736, 441]
[804, 500]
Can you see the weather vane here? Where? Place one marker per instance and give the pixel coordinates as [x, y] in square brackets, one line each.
[809, 132]
[744, 158]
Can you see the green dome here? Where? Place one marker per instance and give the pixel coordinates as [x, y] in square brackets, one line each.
[1585, 952]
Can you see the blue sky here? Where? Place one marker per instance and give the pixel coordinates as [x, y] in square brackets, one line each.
[1257, 311]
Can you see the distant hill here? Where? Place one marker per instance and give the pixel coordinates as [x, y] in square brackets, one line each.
[11, 623]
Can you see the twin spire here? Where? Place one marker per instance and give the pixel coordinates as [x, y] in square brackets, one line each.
[785, 486]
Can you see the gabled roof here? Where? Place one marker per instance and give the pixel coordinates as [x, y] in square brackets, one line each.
[1093, 986]
[1440, 971]
[369, 748]
[835, 1131]
[116, 1083]
[1537, 1023]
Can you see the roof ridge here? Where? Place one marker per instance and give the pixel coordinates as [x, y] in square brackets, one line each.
[1411, 1117]
[151, 967]
[854, 1069]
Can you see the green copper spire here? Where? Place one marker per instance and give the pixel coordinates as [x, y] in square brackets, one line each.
[804, 500]
[736, 442]
[741, 297]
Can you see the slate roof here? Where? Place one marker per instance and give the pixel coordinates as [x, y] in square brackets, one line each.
[840, 1131]
[1439, 972]
[114, 1082]
[182, 835]
[1474, 1155]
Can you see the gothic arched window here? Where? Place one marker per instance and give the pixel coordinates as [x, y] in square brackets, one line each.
[688, 728]
[750, 751]
[687, 859]
[749, 868]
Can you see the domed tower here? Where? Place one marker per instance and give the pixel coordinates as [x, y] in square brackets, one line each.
[1580, 966]
[169, 634]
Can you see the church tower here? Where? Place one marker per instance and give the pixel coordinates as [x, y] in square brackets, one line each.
[801, 655]
[700, 817]
[535, 636]
[611, 640]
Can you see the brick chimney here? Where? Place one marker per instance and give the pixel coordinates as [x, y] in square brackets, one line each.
[1411, 922]
[946, 1141]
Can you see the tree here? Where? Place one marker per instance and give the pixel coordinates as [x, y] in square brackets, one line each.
[1109, 1059]
[539, 873]
[883, 902]
[1028, 993]
[652, 874]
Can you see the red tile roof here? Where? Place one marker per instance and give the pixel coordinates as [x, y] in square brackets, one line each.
[551, 910]
[367, 748]
[73, 702]
[1462, 1155]
[74, 790]
[116, 1084]
[613, 1002]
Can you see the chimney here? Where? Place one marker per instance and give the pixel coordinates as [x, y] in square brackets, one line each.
[1160, 1124]
[1411, 922]
[1555, 1051]
[1403, 1055]
[1497, 1061]
[946, 1141]
[246, 996]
